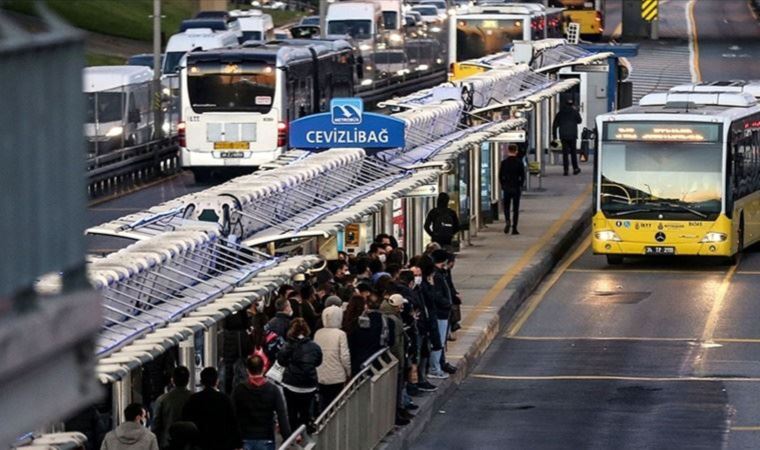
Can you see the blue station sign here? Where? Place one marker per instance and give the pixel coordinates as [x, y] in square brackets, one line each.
[347, 125]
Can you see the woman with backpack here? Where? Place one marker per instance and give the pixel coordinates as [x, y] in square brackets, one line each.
[300, 357]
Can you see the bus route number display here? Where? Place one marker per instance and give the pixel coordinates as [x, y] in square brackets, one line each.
[662, 131]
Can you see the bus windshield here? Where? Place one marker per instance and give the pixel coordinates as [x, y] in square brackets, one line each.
[171, 61]
[390, 20]
[251, 36]
[104, 107]
[245, 86]
[646, 179]
[357, 29]
[480, 37]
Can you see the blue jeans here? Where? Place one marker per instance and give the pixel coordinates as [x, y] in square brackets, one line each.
[258, 444]
[435, 357]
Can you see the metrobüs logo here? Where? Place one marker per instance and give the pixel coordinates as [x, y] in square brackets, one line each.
[346, 111]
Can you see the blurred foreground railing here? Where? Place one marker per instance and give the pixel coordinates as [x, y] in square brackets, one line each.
[363, 413]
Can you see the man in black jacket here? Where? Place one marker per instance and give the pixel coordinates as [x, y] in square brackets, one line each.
[213, 414]
[256, 403]
[511, 178]
[566, 122]
[443, 302]
[442, 222]
[280, 323]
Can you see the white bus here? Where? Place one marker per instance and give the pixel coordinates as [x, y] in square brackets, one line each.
[237, 103]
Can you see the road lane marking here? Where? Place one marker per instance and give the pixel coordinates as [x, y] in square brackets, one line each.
[696, 73]
[633, 338]
[748, 272]
[720, 298]
[536, 299]
[606, 378]
[746, 428]
[618, 31]
[527, 257]
[659, 272]
[599, 338]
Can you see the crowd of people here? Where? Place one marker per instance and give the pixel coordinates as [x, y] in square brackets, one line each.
[285, 360]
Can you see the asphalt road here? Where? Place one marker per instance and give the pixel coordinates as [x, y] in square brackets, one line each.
[650, 355]
[107, 209]
[728, 36]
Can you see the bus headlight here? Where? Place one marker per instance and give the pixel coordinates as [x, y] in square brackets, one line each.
[607, 235]
[115, 131]
[714, 236]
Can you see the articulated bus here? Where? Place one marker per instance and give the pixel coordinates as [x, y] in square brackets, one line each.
[679, 174]
[588, 14]
[486, 29]
[237, 103]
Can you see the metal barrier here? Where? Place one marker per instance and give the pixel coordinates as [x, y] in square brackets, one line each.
[363, 413]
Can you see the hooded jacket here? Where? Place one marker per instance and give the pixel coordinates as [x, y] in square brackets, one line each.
[373, 333]
[300, 357]
[442, 222]
[336, 359]
[566, 122]
[130, 436]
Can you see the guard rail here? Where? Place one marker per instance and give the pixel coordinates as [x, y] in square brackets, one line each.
[363, 413]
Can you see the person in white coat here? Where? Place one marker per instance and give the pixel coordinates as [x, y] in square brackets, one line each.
[336, 359]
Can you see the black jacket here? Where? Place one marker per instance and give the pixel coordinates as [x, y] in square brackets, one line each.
[566, 121]
[279, 324]
[213, 414]
[442, 295]
[255, 407]
[512, 174]
[373, 333]
[442, 224]
[300, 358]
[429, 327]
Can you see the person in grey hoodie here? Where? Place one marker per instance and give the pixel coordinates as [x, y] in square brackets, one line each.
[132, 434]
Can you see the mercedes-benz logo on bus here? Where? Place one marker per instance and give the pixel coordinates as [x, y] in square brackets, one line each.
[659, 236]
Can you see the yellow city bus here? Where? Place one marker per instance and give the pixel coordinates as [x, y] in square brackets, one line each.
[679, 174]
[589, 14]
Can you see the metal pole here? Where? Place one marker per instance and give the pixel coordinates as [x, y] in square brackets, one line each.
[187, 358]
[322, 21]
[121, 397]
[158, 91]
[210, 350]
[656, 29]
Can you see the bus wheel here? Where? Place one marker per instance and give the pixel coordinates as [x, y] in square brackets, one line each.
[614, 260]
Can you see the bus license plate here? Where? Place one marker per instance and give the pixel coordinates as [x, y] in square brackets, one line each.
[232, 154]
[232, 145]
[667, 251]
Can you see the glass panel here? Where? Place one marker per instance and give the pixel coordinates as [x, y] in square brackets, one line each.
[357, 29]
[651, 178]
[480, 37]
[104, 107]
[246, 86]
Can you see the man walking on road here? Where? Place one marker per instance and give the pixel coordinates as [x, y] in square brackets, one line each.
[566, 122]
[511, 178]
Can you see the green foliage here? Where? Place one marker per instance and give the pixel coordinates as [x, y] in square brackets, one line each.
[97, 59]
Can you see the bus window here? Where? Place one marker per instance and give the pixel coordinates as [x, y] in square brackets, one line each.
[246, 86]
[357, 29]
[480, 37]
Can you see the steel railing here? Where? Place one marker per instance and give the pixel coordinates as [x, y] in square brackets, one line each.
[363, 413]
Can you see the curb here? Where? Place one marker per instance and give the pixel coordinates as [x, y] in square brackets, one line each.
[524, 285]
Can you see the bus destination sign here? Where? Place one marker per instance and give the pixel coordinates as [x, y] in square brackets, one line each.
[662, 131]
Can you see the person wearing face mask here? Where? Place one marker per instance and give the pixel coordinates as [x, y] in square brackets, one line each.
[377, 251]
[132, 434]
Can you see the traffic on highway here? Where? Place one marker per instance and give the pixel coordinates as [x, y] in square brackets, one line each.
[386, 224]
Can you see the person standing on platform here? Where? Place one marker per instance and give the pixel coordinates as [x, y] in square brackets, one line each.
[168, 407]
[566, 123]
[442, 222]
[212, 412]
[511, 179]
[132, 434]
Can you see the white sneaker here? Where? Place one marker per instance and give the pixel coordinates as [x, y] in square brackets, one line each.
[440, 375]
